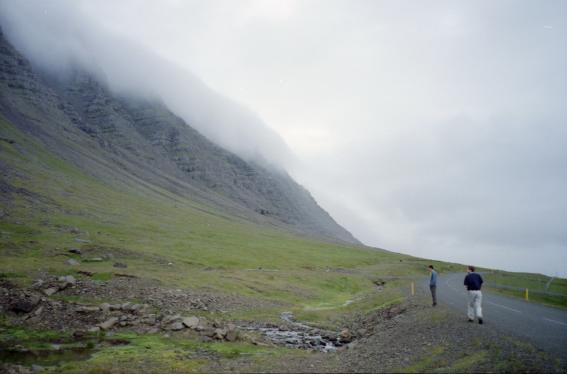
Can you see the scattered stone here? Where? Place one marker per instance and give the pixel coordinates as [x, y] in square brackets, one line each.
[105, 307]
[232, 333]
[66, 281]
[109, 323]
[93, 259]
[79, 334]
[72, 262]
[126, 306]
[175, 318]
[107, 256]
[76, 251]
[219, 334]
[87, 309]
[176, 326]
[50, 291]
[345, 335]
[210, 332]
[114, 307]
[25, 304]
[74, 230]
[82, 240]
[191, 322]
[120, 265]
[87, 273]
[94, 329]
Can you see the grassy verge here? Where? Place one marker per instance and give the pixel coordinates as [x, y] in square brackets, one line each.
[514, 284]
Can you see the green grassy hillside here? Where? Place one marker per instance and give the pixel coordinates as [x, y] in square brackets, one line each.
[51, 207]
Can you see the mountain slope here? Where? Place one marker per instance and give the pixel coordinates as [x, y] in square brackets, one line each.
[124, 141]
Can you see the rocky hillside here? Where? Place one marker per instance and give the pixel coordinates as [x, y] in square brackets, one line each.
[127, 142]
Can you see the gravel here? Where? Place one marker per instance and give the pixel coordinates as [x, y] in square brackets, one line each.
[421, 338]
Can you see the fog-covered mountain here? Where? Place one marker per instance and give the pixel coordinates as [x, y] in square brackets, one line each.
[126, 140]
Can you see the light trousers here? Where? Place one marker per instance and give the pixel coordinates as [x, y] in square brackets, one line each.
[474, 304]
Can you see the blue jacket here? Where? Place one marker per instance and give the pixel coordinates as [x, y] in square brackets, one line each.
[433, 279]
[473, 281]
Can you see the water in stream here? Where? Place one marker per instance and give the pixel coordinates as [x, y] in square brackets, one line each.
[301, 336]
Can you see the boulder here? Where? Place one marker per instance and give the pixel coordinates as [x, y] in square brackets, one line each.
[72, 262]
[191, 322]
[109, 323]
[94, 329]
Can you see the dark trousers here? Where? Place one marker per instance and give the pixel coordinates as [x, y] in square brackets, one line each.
[433, 294]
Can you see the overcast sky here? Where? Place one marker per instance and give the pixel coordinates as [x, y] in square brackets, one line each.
[431, 128]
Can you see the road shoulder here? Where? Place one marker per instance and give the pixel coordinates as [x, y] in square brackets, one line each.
[426, 339]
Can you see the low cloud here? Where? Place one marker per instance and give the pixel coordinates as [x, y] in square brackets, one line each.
[58, 36]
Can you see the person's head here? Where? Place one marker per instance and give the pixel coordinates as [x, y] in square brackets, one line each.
[430, 267]
[470, 269]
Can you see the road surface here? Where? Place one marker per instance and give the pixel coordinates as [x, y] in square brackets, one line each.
[544, 326]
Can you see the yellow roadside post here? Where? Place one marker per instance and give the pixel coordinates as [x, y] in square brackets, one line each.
[412, 288]
[527, 295]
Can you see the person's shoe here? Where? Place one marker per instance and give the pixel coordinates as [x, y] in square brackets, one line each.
[434, 304]
[471, 320]
[480, 321]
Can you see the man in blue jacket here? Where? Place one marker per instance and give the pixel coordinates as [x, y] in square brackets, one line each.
[433, 284]
[473, 284]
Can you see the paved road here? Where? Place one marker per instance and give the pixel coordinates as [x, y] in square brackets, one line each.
[545, 326]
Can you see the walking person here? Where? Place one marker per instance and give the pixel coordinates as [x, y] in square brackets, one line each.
[433, 284]
[473, 284]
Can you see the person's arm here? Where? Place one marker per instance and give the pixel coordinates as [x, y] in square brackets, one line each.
[466, 282]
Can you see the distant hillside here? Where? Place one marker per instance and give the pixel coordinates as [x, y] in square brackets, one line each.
[125, 142]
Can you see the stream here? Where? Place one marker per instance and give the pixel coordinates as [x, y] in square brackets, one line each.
[301, 336]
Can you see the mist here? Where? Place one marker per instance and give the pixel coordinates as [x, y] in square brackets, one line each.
[435, 129]
[58, 37]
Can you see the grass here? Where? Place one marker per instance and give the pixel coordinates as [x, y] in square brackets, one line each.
[498, 281]
[205, 248]
[157, 354]
[54, 206]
